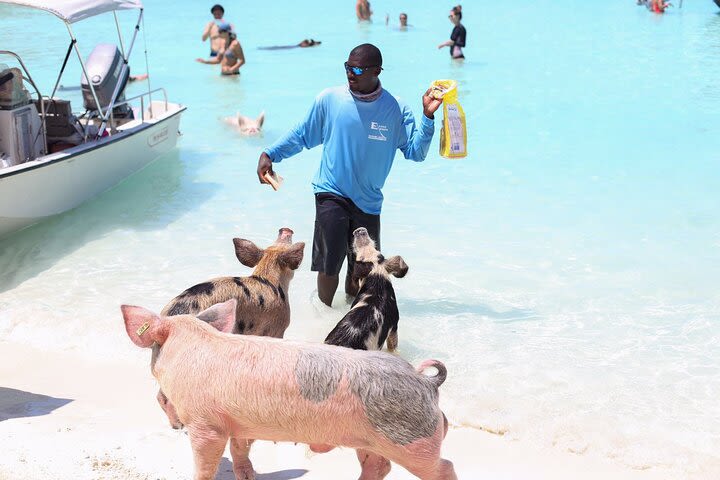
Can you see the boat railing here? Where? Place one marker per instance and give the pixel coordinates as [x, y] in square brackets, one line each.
[142, 96]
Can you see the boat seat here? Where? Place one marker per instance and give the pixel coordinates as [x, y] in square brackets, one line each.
[12, 92]
[59, 119]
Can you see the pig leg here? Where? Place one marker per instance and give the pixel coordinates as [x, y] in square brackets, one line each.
[441, 469]
[374, 467]
[422, 458]
[208, 446]
[242, 466]
[392, 340]
[169, 410]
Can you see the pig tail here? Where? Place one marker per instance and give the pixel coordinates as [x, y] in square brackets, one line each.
[438, 379]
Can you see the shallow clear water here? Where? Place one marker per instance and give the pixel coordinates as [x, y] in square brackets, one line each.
[566, 271]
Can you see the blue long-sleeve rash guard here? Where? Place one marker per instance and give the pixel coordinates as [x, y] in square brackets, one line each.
[360, 140]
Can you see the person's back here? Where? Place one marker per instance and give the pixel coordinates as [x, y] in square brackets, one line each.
[362, 10]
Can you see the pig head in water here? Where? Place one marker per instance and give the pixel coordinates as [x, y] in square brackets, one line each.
[263, 306]
[245, 125]
[242, 387]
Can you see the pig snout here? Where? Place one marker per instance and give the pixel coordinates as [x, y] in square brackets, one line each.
[361, 237]
[285, 235]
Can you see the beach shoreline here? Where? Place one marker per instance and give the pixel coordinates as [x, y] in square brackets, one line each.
[66, 416]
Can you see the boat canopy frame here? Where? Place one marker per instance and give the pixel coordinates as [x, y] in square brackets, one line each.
[71, 11]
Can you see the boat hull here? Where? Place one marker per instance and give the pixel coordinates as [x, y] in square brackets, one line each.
[60, 182]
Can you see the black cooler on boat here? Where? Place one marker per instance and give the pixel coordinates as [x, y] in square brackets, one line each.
[104, 67]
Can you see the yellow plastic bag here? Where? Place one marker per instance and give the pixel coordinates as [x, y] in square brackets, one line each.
[453, 135]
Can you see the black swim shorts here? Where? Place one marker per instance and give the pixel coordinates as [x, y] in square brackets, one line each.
[336, 218]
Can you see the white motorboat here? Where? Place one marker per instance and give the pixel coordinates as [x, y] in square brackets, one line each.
[51, 159]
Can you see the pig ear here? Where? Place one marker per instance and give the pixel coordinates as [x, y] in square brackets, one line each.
[138, 323]
[247, 252]
[396, 266]
[240, 120]
[292, 257]
[221, 315]
[261, 118]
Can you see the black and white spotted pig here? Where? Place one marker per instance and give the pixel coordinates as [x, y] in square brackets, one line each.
[373, 316]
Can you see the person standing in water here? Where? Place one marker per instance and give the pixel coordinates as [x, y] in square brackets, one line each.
[212, 30]
[403, 25]
[361, 126]
[659, 6]
[230, 56]
[457, 37]
[362, 10]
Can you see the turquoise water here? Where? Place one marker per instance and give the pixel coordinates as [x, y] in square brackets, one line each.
[565, 271]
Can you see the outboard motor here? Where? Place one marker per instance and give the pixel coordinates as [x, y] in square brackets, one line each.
[104, 66]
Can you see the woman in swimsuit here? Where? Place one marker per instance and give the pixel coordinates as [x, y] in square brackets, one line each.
[230, 58]
[457, 37]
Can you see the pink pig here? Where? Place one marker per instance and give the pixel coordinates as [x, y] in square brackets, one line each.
[242, 387]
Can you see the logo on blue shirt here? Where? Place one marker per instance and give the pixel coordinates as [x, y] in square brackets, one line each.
[379, 129]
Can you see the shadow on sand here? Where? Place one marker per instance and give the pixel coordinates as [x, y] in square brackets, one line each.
[19, 404]
[225, 472]
[150, 199]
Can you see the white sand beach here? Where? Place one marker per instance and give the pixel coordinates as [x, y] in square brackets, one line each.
[64, 416]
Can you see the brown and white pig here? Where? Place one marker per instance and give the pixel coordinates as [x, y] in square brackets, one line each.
[241, 387]
[373, 316]
[263, 307]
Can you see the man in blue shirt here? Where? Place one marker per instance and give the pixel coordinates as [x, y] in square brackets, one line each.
[361, 126]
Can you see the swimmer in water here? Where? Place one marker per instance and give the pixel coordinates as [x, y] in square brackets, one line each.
[403, 25]
[304, 44]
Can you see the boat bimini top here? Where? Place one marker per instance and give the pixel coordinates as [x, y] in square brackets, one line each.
[71, 11]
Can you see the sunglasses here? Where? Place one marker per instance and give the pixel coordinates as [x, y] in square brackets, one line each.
[357, 71]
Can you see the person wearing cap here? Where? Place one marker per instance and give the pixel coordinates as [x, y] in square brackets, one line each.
[230, 56]
[361, 126]
[212, 30]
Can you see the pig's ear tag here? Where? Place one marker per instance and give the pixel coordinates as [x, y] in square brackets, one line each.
[143, 329]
